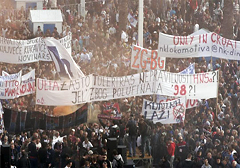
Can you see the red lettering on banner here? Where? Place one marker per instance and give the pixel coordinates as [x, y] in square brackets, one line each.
[143, 63]
[154, 63]
[55, 85]
[183, 40]
[153, 59]
[203, 38]
[195, 78]
[217, 39]
[180, 90]
[201, 78]
[136, 57]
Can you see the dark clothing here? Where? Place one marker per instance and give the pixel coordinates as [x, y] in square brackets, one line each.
[14, 155]
[187, 164]
[42, 155]
[132, 128]
[23, 162]
[165, 164]
[32, 150]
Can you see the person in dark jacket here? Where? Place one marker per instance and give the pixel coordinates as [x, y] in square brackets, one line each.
[32, 153]
[14, 155]
[144, 137]
[164, 163]
[23, 162]
[188, 163]
[132, 130]
[42, 155]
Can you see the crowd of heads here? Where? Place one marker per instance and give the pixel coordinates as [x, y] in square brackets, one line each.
[211, 130]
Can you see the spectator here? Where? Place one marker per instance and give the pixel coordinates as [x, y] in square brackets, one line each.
[171, 151]
[32, 153]
[132, 138]
[188, 163]
[144, 132]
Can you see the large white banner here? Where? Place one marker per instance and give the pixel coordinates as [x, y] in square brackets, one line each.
[166, 112]
[203, 45]
[99, 88]
[146, 59]
[26, 86]
[28, 51]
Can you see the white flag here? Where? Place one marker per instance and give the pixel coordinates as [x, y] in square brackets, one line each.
[64, 63]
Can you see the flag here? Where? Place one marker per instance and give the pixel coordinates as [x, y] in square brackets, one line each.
[189, 70]
[1, 119]
[132, 20]
[64, 63]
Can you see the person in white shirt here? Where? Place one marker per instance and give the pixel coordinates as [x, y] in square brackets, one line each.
[112, 30]
[124, 37]
[87, 144]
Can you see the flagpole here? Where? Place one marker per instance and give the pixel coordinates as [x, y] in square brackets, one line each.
[217, 92]
[140, 24]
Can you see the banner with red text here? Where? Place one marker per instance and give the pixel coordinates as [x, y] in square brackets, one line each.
[28, 51]
[27, 85]
[9, 85]
[166, 112]
[203, 45]
[100, 88]
[146, 59]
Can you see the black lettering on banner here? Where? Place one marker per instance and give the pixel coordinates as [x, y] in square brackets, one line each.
[63, 84]
[71, 85]
[159, 115]
[91, 93]
[78, 96]
[75, 92]
[77, 84]
[148, 103]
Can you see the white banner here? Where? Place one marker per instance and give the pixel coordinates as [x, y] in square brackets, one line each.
[9, 85]
[100, 88]
[28, 51]
[166, 112]
[146, 59]
[27, 85]
[203, 45]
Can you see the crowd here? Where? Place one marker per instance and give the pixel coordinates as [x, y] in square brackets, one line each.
[209, 135]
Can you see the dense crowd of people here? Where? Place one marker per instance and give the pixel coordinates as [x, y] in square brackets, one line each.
[209, 135]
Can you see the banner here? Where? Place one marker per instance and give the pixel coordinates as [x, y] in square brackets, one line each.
[203, 45]
[146, 59]
[166, 112]
[17, 122]
[9, 85]
[132, 20]
[28, 51]
[27, 85]
[100, 88]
